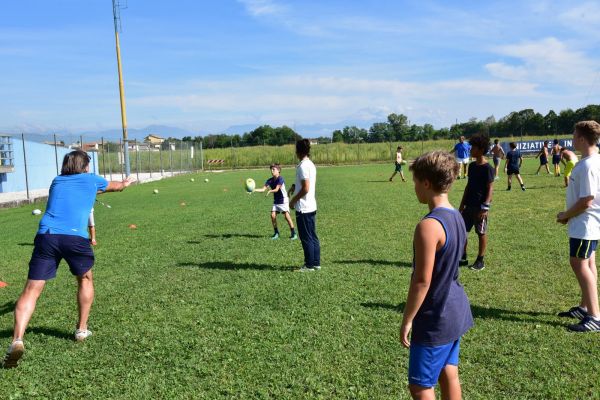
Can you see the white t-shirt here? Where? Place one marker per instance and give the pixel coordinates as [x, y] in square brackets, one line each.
[306, 170]
[584, 182]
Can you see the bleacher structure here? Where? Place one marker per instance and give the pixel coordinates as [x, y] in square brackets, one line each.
[7, 159]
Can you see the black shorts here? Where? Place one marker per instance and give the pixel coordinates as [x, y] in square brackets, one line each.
[543, 160]
[511, 171]
[398, 167]
[471, 217]
[556, 159]
[50, 249]
[581, 248]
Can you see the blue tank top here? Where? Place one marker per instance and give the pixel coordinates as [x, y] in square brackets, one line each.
[445, 314]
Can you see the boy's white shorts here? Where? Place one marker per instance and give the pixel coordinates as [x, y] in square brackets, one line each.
[282, 208]
[463, 160]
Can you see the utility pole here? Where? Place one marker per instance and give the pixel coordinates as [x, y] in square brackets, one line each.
[117, 20]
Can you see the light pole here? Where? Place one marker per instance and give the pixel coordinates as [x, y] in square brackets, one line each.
[117, 21]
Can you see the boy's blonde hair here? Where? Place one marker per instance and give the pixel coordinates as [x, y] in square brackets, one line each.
[589, 130]
[438, 167]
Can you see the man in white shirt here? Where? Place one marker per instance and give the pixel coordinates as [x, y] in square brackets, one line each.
[305, 203]
[583, 217]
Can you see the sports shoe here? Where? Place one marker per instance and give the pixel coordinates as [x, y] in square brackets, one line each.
[13, 354]
[82, 334]
[523, 187]
[588, 324]
[294, 237]
[275, 236]
[309, 269]
[496, 178]
[477, 265]
[574, 312]
[508, 188]
[463, 262]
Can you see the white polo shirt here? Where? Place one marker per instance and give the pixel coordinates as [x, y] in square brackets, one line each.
[306, 170]
[583, 182]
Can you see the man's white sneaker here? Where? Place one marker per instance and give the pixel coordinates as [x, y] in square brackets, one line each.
[82, 334]
[13, 354]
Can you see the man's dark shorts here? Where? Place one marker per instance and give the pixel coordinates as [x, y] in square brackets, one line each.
[543, 160]
[398, 167]
[556, 159]
[581, 248]
[50, 249]
[511, 171]
[471, 218]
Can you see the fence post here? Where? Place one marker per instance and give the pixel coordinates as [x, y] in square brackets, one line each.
[25, 162]
[160, 160]
[150, 160]
[109, 160]
[137, 159]
[122, 163]
[56, 153]
[201, 157]
[171, 157]
[180, 157]
[103, 159]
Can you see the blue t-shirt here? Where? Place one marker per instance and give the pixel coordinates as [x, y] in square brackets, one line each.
[445, 314]
[463, 150]
[69, 204]
[513, 157]
[279, 197]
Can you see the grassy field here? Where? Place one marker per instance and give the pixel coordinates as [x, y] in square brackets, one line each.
[198, 303]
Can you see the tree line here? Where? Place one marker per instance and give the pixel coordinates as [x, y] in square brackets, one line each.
[526, 122]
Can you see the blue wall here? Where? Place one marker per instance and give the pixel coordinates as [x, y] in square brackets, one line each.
[41, 166]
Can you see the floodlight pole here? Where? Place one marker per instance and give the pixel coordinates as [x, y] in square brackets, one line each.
[116, 17]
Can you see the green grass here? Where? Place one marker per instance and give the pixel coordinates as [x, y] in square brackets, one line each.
[199, 303]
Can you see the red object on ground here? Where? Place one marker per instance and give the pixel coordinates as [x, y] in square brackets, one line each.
[3, 284]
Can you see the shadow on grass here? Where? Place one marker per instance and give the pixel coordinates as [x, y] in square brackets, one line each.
[384, 181]
[229, 236]
[8, 333]
[7, 308]
[405, 264]
[232, 266]
[25, 244]
[480, 312]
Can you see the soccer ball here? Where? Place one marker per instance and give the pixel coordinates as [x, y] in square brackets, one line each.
[36, 211]
[155, 191]
[191, 179]
[206, 180]
[250, 185]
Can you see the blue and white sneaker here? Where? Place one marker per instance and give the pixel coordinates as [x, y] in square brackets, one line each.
[304, 268]
[275, 236]
[588, 324]
[574, 312]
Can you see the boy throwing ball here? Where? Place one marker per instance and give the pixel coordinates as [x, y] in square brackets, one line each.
[437, 310]
[583, 218]
[276, 185]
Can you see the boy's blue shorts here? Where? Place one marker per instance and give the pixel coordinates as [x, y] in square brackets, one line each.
[50, 249]
[581, 248]
[427, 362]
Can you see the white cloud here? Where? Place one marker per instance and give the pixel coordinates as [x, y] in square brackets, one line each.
[260, 8]
[546, 61]
[584, 17]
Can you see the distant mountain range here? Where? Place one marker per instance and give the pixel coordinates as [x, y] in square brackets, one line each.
[112, 135]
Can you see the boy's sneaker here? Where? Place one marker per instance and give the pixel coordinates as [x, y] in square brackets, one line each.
[275, 236]
[508, 188]
[588, 324]
[13, 354]
[309, 269]
[477, 265]
[82, 334]
[574, 312]
[463, 262]
[523, 187]
[294, 237]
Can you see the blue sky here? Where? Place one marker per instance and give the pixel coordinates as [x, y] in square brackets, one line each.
[207, 65]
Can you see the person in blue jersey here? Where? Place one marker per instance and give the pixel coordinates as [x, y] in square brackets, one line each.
[462, 151]
[437, 311]
[512, 166]
[63, 234]
[276, 185]
[477, 197]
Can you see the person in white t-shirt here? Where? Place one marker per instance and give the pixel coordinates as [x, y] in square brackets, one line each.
[583, 218]
[305, 203]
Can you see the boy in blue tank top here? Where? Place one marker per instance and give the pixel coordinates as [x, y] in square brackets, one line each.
[437, 310]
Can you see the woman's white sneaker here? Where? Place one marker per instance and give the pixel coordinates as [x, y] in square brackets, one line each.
[82, 334]
[13, 354]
